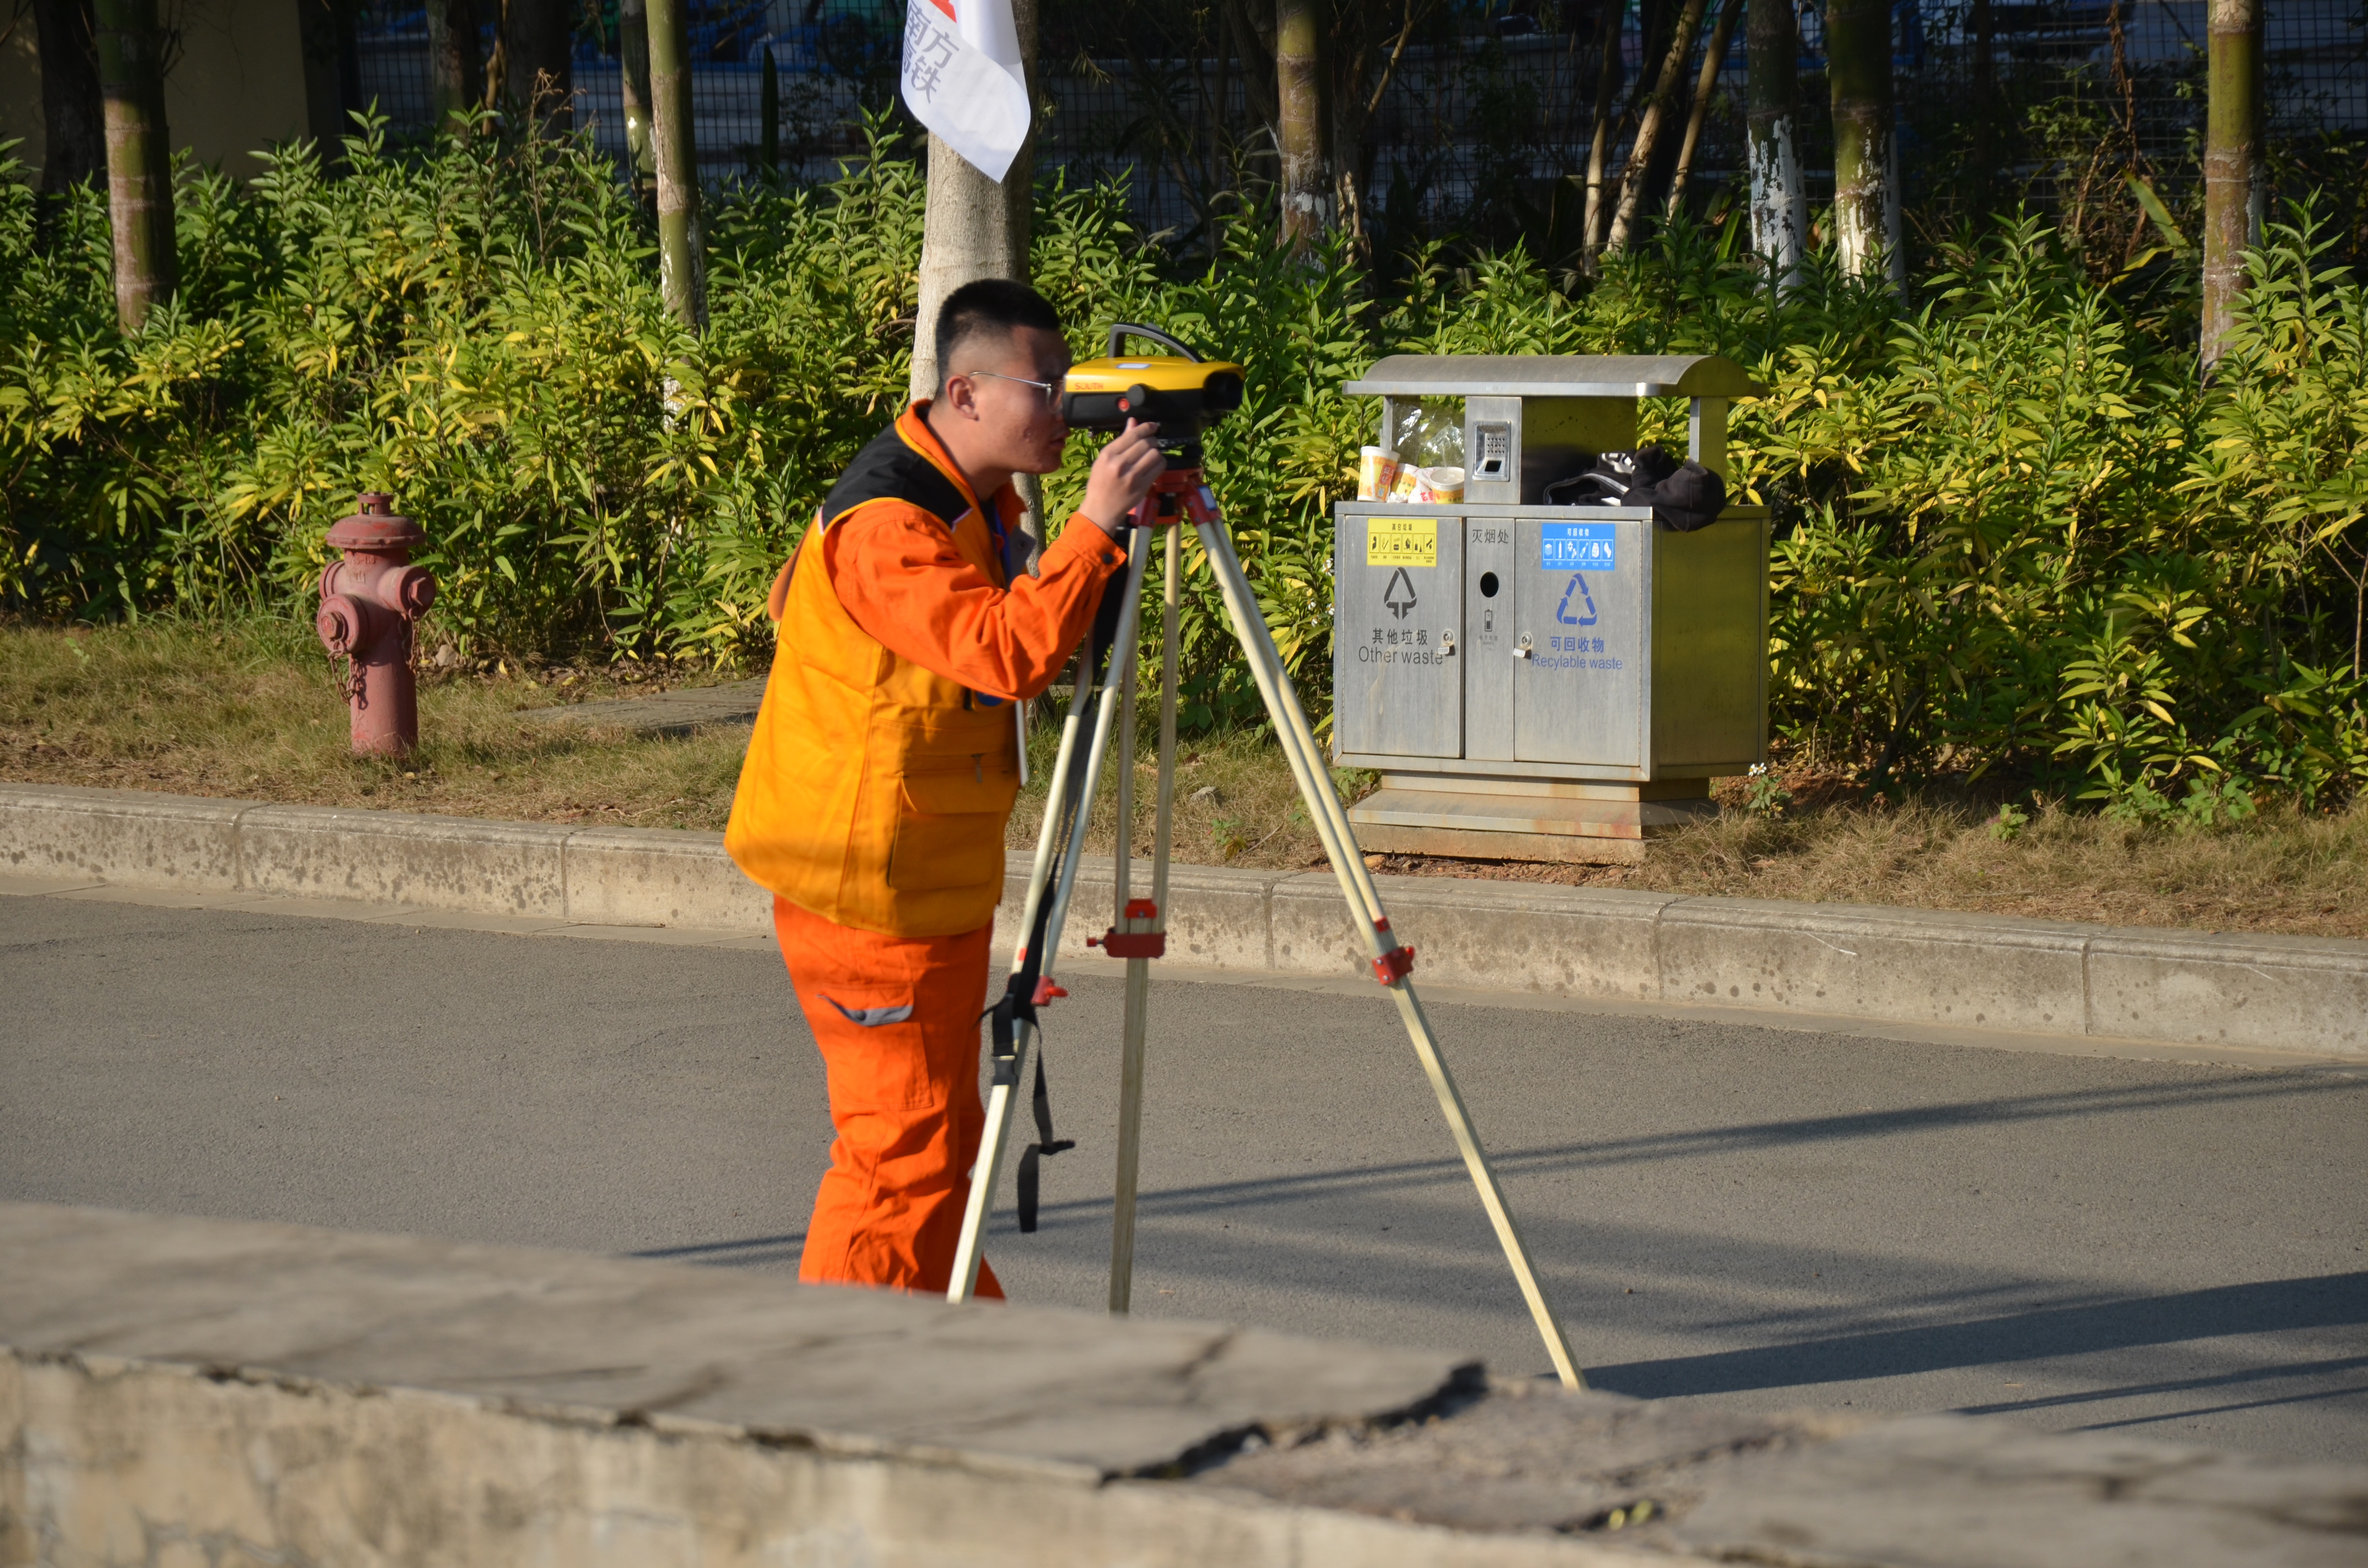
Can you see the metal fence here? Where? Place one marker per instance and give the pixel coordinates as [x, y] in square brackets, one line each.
[1484, 126]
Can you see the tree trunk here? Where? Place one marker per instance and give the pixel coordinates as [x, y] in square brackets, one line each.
[455, 75]
[73, 127]
[1858, 50]
[139, 158]
[975, 228]
[634, 57]
[1780, 198]
[538, 61]
[1300, 125]
[682, 262]
[2232, 155]
[1721, 36]
[1599, 152]
[1648, 128]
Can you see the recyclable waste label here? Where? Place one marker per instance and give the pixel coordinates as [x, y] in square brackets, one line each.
[1402, 541]
[1579, 547]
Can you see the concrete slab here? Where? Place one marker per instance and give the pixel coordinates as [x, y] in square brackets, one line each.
[120, 835]
[1852, 960]
[500, 867]
[660, 877]
[1517, 936]
[1937, 1491]
[856, 1371]
[1313, 932]
[176, 1390]
[2275, 993]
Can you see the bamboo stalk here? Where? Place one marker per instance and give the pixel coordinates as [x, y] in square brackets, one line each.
[1713, 62]
[1858, 50]
[1648, 128]
[681, 268]
[1607, 86]
[1300, 129]
[1779, 201]
[634, 59]
[2231, 160]
[139, 158]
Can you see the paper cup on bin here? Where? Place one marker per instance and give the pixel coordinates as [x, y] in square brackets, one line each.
[1444, 483]
[1406, 482]
[1376, 471]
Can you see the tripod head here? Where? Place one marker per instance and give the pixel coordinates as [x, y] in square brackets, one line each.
[1183, 392]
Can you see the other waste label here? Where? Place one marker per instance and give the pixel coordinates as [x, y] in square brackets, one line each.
[1402, 541]
[1577, 547]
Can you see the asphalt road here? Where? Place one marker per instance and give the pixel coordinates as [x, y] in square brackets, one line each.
[1761, 1216]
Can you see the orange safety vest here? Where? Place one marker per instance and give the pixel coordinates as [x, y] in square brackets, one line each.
[875, 792]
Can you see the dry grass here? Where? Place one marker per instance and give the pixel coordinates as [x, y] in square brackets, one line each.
[2282, 871]
[250, 711]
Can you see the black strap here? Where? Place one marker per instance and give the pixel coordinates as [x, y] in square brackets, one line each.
[1045, 1144]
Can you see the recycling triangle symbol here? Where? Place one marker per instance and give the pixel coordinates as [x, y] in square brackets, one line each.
[1400, 584]
[1562, 611]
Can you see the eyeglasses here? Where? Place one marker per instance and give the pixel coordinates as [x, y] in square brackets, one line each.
[1050, 391]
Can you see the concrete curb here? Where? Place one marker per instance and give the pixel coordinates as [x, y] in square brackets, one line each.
[1902, 966]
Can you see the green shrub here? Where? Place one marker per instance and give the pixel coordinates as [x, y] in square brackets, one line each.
[2013, 530]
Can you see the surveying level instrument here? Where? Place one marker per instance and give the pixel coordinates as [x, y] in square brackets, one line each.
[1185, 394]
[1182, 393]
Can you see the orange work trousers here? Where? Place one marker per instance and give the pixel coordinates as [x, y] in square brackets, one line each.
[897, 1021]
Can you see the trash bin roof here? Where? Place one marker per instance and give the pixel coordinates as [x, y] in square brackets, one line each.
[1555, 375]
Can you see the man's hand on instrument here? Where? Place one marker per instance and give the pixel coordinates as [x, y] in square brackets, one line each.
[1122, 476]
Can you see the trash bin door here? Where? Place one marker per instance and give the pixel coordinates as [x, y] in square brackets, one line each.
[1578, 694]
[1490, 617]
[1398, 688]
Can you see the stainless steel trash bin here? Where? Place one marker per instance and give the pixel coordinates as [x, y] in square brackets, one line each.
[1543, 682]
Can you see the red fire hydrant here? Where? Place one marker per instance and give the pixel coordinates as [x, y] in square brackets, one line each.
[369, 601]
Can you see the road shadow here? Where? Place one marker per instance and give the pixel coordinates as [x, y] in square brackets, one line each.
[1742, 1138]
[2269, 1306]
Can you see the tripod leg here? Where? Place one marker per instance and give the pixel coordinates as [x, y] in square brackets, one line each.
[1138, 971]
[1003, 1097]
[1364, 900]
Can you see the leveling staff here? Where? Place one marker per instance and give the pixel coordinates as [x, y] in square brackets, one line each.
[885, 760]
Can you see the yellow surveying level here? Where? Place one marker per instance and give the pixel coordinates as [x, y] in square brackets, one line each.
[1185, 394]
[1181, 392]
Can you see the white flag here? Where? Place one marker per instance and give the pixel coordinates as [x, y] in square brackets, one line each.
[963, 79]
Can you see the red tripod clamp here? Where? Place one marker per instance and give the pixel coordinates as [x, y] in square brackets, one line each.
[1176, 494]
[1396, 963]
[1139, 940]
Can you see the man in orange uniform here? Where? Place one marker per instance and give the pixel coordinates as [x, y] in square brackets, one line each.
[885, 760]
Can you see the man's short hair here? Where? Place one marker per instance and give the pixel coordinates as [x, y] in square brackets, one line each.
[988, 307]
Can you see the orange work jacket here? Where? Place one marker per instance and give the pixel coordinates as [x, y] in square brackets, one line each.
[880, 778]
